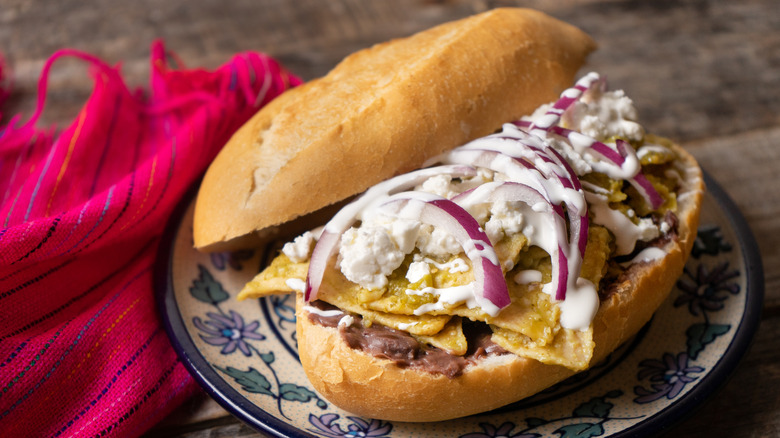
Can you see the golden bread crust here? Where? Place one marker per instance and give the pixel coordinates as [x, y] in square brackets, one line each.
[376, 388]
[381, 112]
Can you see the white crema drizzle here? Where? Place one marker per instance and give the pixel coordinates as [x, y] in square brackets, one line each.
[539, 229]
[323, 313]
[296, 284]
[626, 232]
[649, 254]
[455, 295]
[455, 265]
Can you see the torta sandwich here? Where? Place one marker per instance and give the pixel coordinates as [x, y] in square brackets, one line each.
[512, 227]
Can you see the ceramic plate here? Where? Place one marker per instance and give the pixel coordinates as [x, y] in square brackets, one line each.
[244, 353]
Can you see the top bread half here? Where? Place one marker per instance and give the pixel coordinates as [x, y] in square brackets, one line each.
[383, 111]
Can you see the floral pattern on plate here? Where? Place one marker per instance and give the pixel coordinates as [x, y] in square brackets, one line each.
[245, 353]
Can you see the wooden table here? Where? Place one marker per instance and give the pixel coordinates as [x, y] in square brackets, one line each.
[706, 73]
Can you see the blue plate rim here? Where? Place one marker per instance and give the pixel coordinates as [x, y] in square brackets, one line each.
[235, 403]
[722, 371]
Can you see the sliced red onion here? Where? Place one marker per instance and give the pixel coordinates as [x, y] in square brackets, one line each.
[558, 158]
[319, 262]
[516, 169]
[559, 248]
[568, 97]
[618, 158]
[521, 171]
[549, 162]
[523, 124]
[579, 226]
[639, 181]
[504, 192]
[347, 215]
[524, 146]
[578, 216]
[564, 280]
[331, 234]
[492, 294]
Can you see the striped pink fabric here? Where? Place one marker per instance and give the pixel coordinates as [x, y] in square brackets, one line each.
[82, 351]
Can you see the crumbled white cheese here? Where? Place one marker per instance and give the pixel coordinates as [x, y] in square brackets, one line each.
[368, 255]
[299, 250]
[647, 229]
[404, 234]
[572, 156]
[437, 242]
[580, 165]
[447, 187]
[441, 185]
[505, 219]
[479, 211]
[604, 116]
[417, 271]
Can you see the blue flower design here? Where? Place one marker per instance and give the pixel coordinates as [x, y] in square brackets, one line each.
[284, 308]
[668, 377]
[359, 427]
[229, 332]
[502, 431]
[706, 290]
[709, 240]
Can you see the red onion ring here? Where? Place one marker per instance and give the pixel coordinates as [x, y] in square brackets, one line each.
[456, 221]
[509, 192]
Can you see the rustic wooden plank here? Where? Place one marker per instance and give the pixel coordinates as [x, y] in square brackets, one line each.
[226, 427]
[705, 72]
[746, 166]
[696, 68]
[196, 412]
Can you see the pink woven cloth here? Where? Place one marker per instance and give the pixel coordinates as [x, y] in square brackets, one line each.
[82, 348]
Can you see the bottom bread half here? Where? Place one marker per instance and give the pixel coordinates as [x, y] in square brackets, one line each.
[377, 388]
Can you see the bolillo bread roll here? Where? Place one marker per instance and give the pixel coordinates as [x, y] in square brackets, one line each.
[389, 110]
[383, 111]
[376, 388]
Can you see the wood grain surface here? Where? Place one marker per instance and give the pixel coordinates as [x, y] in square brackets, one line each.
[706, 73]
